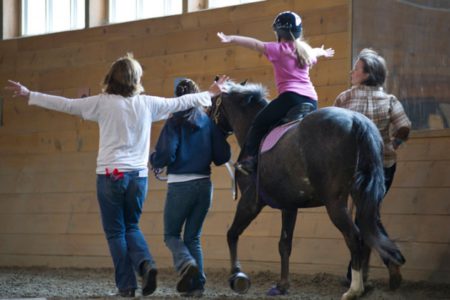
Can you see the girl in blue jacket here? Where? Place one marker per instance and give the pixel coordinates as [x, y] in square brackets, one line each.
[188, 143]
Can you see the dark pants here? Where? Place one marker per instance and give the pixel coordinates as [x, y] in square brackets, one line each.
[271, 115]
[388, 179]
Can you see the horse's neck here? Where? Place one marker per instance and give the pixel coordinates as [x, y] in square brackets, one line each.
[242, 127]
[242, 119]
[241, 134]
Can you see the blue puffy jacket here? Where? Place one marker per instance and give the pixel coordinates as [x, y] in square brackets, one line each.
[188, 143]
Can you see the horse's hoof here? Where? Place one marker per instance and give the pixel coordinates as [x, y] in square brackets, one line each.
[395, 277]
[349, 296]
[275, 291]
[352, 294]
[239, 282]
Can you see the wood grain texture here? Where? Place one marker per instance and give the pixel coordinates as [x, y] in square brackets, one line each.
[48, 209]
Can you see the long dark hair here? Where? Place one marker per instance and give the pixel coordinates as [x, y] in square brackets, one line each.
[187, 117]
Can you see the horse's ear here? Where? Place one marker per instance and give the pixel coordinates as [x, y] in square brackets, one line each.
[244, 82]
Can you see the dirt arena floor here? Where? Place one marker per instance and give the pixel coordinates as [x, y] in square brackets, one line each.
[99, 284]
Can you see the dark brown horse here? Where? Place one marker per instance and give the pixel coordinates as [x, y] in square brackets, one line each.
[331, 154]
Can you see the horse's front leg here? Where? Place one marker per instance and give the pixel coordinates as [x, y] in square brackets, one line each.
[289, 218]
[247, 210]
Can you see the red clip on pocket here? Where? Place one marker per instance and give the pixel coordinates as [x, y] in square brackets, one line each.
[115, 175]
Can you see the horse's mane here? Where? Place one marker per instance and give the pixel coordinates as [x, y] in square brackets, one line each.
[255, 92]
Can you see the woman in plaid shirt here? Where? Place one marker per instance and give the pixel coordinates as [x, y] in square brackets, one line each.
[368, 97]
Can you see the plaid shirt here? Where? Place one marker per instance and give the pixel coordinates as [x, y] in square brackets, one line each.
[383, 109]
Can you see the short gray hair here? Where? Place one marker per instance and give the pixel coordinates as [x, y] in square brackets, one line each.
[374, 66]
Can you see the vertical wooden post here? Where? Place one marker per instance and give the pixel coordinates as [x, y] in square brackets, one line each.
[196, 5]
[10, 18]
[96, 13]
[185, 6]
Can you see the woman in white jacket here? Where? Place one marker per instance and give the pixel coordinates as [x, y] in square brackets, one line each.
[124, 117]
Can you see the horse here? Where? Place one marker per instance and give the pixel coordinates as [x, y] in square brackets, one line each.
[330, 154]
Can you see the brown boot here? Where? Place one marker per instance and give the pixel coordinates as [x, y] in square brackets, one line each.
[395, 277]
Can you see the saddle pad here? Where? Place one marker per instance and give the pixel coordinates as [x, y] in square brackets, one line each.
[271, 139]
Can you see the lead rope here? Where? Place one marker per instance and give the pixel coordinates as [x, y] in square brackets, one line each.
[157, 172]
[215, 117]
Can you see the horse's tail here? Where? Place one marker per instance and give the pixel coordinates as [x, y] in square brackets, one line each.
[368, 189]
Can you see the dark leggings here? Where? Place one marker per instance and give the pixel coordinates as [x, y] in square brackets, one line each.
[271, 115]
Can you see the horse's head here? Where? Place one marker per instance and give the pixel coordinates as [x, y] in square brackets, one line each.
[234, 110]
[218, 115]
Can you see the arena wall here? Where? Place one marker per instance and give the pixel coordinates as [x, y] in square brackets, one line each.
[48, 207]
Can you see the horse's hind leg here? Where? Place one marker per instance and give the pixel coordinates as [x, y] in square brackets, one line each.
[289, 218]
[395, 276]
[247, 210]
[339, 215]
[365, 258]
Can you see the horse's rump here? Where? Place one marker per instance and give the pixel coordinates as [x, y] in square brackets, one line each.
[315, 155]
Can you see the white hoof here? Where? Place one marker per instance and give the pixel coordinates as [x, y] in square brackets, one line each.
[356, 287]
[350, 295]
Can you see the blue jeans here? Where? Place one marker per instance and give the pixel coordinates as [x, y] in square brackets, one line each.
[121, 202]
[187, 204]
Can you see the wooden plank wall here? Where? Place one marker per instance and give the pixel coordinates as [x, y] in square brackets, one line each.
[49, 213]
[47, 180]
[420, 78]
[417, 209]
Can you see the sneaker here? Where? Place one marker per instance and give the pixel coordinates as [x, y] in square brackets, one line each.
[189, 272]
[148, 278]
[123, 293]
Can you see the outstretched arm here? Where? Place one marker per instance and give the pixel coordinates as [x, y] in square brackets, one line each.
[318, 52]
[84, 107]
[247, 42]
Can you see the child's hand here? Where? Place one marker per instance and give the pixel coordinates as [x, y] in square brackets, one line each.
[328, 52]
[224, 38]
[17, 89]
[218, 86]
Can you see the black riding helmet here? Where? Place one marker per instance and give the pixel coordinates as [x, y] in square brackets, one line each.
[287, 23]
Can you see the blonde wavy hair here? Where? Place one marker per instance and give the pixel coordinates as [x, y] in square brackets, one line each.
[303, 51]
[124, 77]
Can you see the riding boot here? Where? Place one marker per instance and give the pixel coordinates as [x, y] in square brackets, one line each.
[247, 165]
